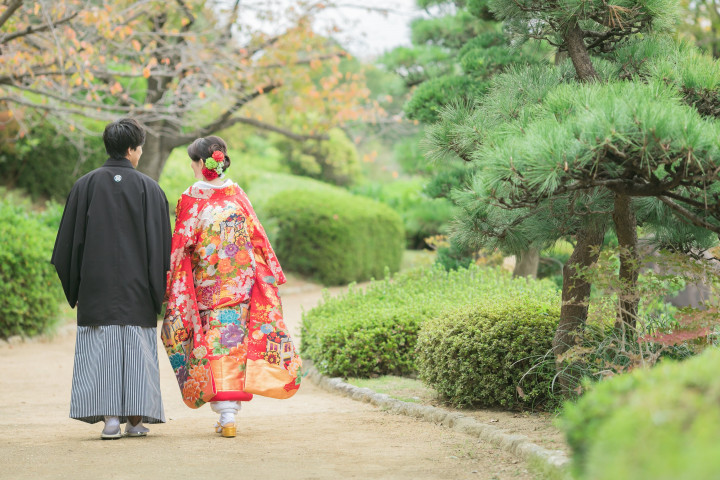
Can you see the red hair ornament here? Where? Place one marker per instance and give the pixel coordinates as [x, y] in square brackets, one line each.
[214, 165]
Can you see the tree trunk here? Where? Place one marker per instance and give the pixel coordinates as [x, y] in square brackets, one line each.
[576, 291]
[156, 150]
[575, 298]
[626, 230]
[527, 263]
[578, 52]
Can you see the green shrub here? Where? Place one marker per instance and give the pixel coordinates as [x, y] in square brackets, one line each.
[552, 261]
[374, 331]
[453, 256]
[422, 216]
[47, 163]
[660, 423]
[29, 288]
[265, 185]
[334, 160]
[491, 353]
[334, 236]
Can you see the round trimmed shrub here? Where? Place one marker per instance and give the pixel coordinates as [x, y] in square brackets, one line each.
[661, 423]
[29, 288]
[374, 330]
[334, 236]
[492, 353]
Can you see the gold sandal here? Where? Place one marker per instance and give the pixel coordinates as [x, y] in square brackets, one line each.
[229, 430]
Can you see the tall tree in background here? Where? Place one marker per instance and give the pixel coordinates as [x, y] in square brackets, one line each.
[621, 135]
[183, 68]
[454, 56]
[701, 24]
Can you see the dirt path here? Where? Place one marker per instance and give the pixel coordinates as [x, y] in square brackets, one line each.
[315, 435]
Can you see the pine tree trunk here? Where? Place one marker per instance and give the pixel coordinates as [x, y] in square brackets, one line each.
[626, 230]
[575, 298]
[578, 52]
[576, 291]
[527, 263]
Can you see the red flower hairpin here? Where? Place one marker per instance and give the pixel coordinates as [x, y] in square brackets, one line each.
[214, 165]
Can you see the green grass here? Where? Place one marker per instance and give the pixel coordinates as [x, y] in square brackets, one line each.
[401, 388]
[417, 258]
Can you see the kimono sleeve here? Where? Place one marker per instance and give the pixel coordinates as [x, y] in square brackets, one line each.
[69, 244]
[261, 243]
[158, 237]
[181, 330]
[181, 313]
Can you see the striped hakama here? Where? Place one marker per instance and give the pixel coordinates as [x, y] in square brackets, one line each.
[116, 374]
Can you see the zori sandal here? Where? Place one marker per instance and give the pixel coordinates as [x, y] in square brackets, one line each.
[229, 430]
[138, 430]
[109, 434]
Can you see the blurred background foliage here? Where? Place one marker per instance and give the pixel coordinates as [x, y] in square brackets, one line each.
[456, 48]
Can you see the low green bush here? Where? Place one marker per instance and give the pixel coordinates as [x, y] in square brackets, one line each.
[265, 185]
[47, 163]
[29, 288]
[374, 331]
[659, 423]
[492, 353]
[334, 236]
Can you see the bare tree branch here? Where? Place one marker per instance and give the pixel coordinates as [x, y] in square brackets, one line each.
[14, 5]
[30, 29]
[694, 219]
[182, 140]
[306, 61]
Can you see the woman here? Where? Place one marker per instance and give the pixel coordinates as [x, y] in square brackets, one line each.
[223, 328]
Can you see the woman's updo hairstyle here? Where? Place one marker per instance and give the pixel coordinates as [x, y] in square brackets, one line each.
[203, 148]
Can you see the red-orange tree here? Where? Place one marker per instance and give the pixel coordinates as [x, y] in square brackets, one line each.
[184, 68]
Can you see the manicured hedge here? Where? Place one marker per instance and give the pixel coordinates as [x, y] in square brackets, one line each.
[334, 236]
[374, 330]
[662, 423]
[29, 288]
[266, 185]
[493, 352]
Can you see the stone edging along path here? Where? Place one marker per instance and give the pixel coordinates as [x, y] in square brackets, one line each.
[519, 445]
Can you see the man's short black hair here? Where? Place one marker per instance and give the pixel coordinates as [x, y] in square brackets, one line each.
[121, 135]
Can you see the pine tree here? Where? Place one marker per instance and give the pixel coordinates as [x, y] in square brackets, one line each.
[620, 135]
[453, 58]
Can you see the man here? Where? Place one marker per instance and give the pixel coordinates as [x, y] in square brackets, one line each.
[112, 253]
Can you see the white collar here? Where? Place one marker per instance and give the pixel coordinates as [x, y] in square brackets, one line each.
[204, 184]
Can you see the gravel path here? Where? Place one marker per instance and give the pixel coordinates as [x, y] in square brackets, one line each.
[314, 435]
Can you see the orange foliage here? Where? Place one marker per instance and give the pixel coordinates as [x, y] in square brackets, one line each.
[163, 62]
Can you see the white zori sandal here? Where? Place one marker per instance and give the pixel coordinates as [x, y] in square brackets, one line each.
[138, 430]
[112, 430]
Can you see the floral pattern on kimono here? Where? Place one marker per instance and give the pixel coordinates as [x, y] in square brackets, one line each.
[223, 328]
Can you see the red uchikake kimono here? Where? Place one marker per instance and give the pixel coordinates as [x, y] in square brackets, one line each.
[223, 327]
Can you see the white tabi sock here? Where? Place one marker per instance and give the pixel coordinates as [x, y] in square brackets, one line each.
[112, 424]
[227, 411]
